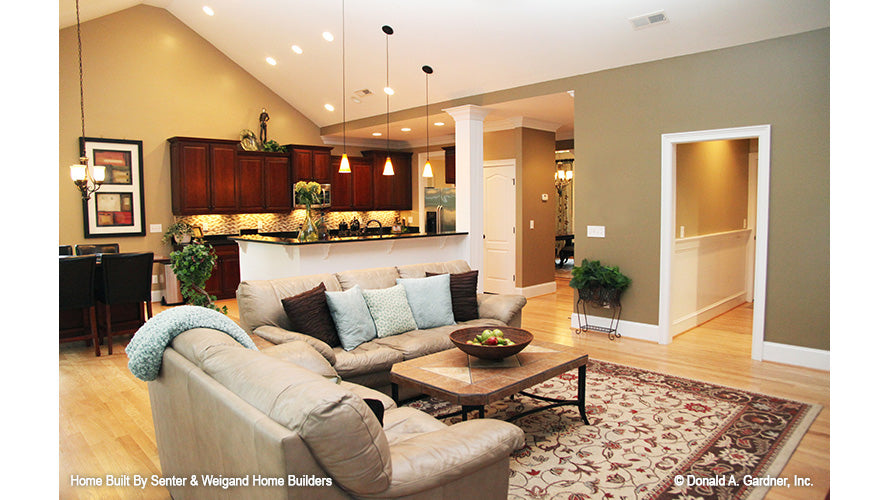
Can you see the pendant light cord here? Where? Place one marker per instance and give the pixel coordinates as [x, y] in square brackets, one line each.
[344, 76]
[80, 66]
[387, 95]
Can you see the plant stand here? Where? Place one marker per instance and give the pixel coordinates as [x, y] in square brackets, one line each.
[598, 299]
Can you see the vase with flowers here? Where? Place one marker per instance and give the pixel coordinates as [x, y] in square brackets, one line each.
[308, 193]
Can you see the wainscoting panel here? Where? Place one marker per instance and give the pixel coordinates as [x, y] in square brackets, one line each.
[708, 277]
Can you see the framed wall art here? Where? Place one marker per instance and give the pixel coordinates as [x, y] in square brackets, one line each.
[118, 207]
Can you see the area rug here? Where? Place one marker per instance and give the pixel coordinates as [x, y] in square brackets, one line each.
[651, 436]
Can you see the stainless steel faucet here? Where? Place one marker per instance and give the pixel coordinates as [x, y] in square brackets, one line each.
[380, 224]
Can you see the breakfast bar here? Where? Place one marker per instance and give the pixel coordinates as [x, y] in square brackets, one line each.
[270, 257]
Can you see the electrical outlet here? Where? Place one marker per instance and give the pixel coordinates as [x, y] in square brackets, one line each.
[595, 231]
[154, 279]
[155, 228]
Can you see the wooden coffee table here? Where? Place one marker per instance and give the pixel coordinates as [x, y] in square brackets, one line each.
[472, 383]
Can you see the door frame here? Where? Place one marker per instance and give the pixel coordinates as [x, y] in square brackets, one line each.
[668, 222]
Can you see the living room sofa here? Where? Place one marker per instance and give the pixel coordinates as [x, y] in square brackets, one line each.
[278, 423]
[261, 312]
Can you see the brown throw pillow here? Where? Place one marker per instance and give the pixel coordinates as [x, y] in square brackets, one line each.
[309, 314]
[464, 301]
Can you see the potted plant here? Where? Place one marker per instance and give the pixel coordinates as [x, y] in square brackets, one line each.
[193, 265]
[601, 285]
[179, 231]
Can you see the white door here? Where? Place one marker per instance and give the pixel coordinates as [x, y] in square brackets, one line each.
[500, 237]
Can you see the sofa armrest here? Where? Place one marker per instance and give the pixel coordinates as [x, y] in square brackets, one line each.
[303, 354]
[278, 335]
[502, 307]
[448, 454]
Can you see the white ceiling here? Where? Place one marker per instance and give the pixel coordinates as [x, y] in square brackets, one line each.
[474, 46]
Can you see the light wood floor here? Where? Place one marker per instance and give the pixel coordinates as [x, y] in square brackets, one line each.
[105, 424]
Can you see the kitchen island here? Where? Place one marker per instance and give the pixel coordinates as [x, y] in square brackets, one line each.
[271, 257]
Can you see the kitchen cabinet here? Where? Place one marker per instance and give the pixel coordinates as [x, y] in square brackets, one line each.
[223, 282]
[391, 192]
[353, 191]
[450, 164]
[310, 163]
[263, 181]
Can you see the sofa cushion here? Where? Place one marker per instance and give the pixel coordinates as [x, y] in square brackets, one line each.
[259, 301]
[309, 314]
[418, 343]
[420, 270]
[369, 357]
[354, 324]
[304, 355]
[464, 298]
[368, 279]
[390, 310]
[430, 300]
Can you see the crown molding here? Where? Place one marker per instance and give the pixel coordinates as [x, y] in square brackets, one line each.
[521, 122]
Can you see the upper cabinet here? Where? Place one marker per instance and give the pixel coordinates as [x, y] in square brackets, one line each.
[391, 192]
[310, 163]
[450, 164]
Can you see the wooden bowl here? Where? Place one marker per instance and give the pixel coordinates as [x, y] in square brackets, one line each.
[521, 338]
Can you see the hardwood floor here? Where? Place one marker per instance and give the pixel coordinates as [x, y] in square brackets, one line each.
[105, 424]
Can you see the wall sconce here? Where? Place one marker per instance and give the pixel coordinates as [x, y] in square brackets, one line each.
[87, 179]
[563, 177]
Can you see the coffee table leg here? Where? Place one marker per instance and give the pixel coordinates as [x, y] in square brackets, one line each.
[581, 393]
[395, 394]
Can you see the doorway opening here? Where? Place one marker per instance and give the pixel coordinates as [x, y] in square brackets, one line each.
[674, 242]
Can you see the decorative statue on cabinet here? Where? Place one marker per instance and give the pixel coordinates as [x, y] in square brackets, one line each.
[263, 127]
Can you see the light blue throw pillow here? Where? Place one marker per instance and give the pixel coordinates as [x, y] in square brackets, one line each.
[390, 310]
[430, 300]
[354, 324]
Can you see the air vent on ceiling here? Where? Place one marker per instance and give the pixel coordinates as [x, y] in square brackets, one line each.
[648, 20]
[363, 93]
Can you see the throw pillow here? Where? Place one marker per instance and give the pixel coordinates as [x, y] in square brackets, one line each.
[309, 314]
[464, 300]
[390, 310]
[354, 324]
[430, 300]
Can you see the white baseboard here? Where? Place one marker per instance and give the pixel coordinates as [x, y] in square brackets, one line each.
[707, 313]
[535, 290]
[807, 357]
[157, 295]
[629, 329]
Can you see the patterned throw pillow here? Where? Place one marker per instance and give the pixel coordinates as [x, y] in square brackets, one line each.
[430, 300]
[354, 324]
[309, 314]
[390, 310]
[464, 301]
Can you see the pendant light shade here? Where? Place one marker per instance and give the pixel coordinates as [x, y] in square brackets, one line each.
[387, 169]
[344, 162]
[427, 170]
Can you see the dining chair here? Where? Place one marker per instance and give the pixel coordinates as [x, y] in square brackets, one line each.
[76, 291]
[125, 279]
[93, 249]
[65, 250]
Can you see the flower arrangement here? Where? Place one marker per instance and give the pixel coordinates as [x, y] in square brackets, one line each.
[307, 192]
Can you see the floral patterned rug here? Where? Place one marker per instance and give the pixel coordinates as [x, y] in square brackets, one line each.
[651, 436]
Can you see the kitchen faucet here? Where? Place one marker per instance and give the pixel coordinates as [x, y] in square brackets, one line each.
[380, 224]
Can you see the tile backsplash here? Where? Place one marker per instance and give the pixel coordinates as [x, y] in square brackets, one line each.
[293, 221]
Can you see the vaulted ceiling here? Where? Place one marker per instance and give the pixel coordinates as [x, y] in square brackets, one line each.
[474, 46]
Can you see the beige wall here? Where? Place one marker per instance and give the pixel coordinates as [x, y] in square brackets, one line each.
[536, 173]
[620, 116]
[711, 186]
[148, 77]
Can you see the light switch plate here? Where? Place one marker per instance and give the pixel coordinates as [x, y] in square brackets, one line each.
[595, 231]
[155, 228]
[532, 223]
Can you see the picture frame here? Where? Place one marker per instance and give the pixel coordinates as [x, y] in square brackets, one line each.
[117, 208]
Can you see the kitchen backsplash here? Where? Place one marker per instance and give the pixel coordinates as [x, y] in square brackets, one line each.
[268, 223]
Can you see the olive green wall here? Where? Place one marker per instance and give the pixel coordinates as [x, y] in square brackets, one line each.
[149, 77]
[711, 186]
[620, 116]
[536, 179]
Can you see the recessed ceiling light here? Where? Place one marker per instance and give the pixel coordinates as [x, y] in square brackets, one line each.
[389, 90]
[327, 36]
[208, 10]
[377, 134]
[406, 129]
[438, 124]
[297, 49]
[329, 107]
[271, 60]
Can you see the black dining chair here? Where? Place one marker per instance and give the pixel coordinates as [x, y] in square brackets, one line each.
[125, 279]
[77, 291]
[93, 249]
[65, 250]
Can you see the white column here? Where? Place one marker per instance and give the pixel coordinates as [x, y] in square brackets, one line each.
[469, 133]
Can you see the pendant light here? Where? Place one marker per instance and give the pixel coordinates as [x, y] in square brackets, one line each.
[387, 169]
[427, 169]
[344, 162]
[88, 180]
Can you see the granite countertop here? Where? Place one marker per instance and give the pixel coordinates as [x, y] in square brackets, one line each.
[290, 238]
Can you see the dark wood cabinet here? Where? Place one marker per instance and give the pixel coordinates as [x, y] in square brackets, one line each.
[310, 163]
[391, 192]
[250, 187]
[190, 176]
[277, 184]
[352, 191]
[226, 276]
[450, 164]
[223, 177]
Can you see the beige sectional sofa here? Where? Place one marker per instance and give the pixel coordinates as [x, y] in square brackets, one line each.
[261, 313]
